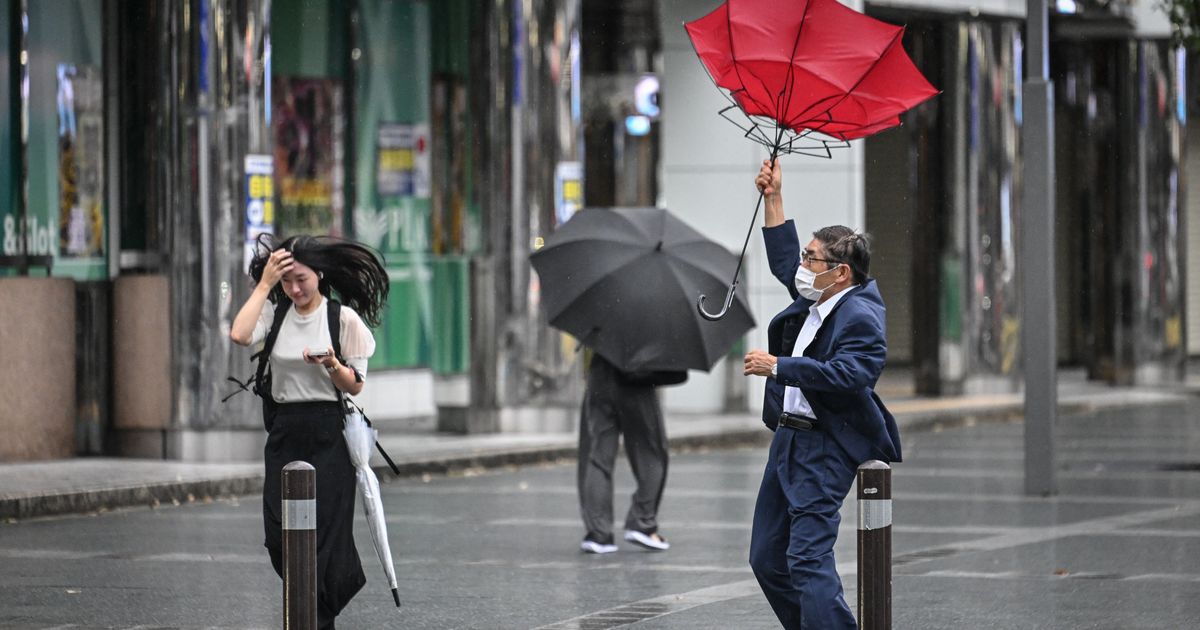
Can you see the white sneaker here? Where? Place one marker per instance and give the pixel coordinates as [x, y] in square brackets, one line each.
[653, 542]
[591, 546]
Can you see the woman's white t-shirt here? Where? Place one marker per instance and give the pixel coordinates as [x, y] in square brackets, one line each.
[293, 380]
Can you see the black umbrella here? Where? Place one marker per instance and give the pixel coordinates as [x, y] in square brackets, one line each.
[624, 281]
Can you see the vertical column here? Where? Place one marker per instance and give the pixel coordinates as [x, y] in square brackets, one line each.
[522, 96]
[1037, 256]
[979, 284]
[1150, 347]
[489, 97]
[212, 66]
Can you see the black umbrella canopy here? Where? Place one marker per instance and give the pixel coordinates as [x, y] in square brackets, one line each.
[624, 281]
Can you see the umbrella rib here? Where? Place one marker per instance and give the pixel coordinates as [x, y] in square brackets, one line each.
[638, 231]
[631, 263]
[698, 239]
[754, 130]
[737, 69]
[582, 294]
[725, 92]
[791, 71]
[636, 228]
[702, 64]
[692, 320]
[895, 38]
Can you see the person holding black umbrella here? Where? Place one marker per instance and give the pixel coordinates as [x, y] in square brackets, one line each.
[824, 355]
[624, 282]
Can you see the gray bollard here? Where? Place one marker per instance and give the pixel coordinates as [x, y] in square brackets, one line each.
[299, 546]
[875, 546]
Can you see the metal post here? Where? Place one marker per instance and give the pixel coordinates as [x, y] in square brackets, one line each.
[299, 546]
[875, 546]
[1037, 260]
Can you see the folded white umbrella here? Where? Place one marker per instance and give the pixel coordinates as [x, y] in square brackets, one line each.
[360, 437]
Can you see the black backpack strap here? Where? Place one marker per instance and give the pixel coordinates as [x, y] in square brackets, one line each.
[264, 356]
[255, 384]
[334, 312]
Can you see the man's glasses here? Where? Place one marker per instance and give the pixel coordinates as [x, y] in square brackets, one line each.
[810, 257]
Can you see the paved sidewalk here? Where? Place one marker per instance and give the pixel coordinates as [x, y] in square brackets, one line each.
[36, 489]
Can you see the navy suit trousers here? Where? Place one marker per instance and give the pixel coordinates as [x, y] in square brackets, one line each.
[807, 477]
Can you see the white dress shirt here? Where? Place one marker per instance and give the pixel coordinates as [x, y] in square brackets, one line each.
[793, 399]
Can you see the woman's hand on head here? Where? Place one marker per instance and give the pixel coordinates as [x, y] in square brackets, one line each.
[278, 263]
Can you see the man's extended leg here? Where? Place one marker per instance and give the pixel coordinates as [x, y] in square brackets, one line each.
[769, 543]
[816, 478]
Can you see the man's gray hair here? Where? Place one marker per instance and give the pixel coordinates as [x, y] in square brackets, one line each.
[844, 245]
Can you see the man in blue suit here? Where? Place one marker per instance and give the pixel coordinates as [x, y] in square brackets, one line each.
[824, 354]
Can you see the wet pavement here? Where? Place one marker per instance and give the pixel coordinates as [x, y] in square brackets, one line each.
[85, 484]
[499, 549]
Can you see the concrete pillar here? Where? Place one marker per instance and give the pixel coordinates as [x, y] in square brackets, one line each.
[143, 388]
[1150, 261]
[211, 101]
[980, 307]
[38, 385]
[522, 96]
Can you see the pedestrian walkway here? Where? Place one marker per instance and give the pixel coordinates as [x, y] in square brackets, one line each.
[45, 488]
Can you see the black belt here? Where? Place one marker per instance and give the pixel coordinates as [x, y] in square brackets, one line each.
[794, 421]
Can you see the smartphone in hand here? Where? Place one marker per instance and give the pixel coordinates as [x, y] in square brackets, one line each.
[318, 356]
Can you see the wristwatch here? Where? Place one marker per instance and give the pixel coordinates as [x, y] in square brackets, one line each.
[332, 368]
[775, 369]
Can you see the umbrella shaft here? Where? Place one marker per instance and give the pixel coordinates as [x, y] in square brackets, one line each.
[754, 219]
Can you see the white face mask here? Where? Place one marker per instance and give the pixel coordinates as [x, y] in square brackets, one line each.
[804, 283]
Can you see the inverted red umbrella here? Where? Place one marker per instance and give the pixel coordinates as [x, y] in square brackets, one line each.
[804, 77]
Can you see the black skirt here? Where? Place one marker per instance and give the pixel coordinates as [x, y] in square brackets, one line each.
[312, 432]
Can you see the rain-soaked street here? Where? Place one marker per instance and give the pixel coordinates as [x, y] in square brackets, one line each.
[499, 549]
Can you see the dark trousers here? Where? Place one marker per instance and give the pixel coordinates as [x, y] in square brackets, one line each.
[612, 408]
[796, 522]
[312, 432]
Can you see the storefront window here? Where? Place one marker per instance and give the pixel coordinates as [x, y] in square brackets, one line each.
[308, 115]
[66, 215]
[392, 168]
[353, 154]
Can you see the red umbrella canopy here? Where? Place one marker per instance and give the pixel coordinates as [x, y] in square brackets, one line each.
[810, 65]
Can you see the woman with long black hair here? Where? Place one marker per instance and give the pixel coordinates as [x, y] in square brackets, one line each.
[303, 416]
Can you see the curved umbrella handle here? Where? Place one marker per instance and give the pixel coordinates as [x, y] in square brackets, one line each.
[724, 309]
[745, 242]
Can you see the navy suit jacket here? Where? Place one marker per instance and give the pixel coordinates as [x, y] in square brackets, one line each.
[839, 369]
